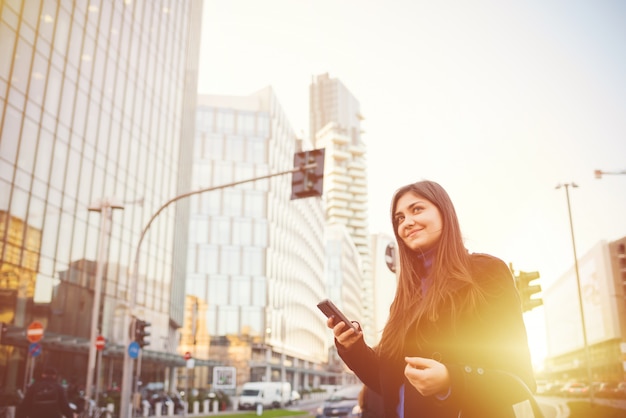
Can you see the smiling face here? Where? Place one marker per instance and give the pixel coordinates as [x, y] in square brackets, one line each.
[418, 222]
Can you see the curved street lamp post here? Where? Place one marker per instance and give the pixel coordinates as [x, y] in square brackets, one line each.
[127, 385]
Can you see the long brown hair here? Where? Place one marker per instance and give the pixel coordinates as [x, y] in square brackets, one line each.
[450, 271]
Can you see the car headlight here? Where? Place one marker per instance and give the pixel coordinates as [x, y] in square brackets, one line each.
[356, 410]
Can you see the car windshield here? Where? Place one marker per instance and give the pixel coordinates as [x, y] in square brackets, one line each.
[250, 392]
[350, 392]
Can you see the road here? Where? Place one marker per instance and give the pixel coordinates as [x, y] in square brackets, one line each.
[552, 407]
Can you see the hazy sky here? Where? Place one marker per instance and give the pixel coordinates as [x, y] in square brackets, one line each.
[497, 101]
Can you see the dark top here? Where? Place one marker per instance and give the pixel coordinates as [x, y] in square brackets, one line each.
[486, 354]
[45, 399]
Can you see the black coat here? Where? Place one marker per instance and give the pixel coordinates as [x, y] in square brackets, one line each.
[486, 354]
[45, 399]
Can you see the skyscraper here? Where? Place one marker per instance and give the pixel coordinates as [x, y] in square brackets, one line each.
[93, 105]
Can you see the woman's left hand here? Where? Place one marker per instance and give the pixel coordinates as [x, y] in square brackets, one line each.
[428, 376]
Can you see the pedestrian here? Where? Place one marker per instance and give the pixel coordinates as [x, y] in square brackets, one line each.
[45, 398]
[455, 344]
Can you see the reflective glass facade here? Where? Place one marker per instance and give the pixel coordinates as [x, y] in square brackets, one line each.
[93, 97]
[255, 256]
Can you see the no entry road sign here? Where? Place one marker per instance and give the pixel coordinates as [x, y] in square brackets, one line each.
[34, 332]
[100, 342]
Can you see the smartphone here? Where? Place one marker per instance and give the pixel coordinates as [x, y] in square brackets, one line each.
[330, 309]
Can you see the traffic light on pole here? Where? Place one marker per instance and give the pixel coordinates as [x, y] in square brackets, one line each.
[4, 330]
[309, 179]
[141, 332]
[527, 290]
[390, 256]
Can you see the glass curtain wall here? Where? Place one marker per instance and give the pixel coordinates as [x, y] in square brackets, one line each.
[255, 256]
[91, 111]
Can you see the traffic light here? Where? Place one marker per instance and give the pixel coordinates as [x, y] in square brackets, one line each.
[527, 290]
[390, 256]
[309, 180]
[141, 332]
[4, 330]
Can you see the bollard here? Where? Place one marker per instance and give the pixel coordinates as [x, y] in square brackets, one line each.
[215, 406]
[145, 407]
[205, 406]
[158, 411]
[259, 409]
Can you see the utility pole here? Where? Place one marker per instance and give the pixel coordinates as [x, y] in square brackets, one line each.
[310, 167]
[105, 207]
[580, 298]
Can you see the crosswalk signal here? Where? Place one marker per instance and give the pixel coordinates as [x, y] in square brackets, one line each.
[526, 290]
[141, 332]
[308, 181]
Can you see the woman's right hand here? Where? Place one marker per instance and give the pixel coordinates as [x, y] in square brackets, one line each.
[345, 335]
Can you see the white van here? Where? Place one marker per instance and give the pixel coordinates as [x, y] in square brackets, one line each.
[268, 394]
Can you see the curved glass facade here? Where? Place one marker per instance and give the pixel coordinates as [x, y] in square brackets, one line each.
[255, 256]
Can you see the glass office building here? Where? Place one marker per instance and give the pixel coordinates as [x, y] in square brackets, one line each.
[95, 99]
[256, 256]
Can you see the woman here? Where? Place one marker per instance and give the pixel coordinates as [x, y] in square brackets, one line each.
[455, 343]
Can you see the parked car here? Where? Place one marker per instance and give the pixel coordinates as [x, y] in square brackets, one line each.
[295, 397]
[342, 403]
[551, 389]
[575, 389]
[605, 390]
[620, 390]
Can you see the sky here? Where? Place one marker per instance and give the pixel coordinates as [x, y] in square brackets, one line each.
[499, 102]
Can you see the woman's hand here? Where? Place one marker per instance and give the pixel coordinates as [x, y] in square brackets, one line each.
[428, 376]
[344, 334]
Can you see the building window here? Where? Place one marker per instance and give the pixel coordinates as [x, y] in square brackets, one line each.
[230, 260]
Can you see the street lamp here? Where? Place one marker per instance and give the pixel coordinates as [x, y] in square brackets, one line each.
[599, 173]
[127, 366]
[105, 207]
[580, 299]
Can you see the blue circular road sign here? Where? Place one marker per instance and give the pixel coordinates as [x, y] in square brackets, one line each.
[133, 349]
[34, 349]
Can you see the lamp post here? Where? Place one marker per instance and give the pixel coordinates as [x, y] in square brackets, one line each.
[599, 173]
[127, 371]
[580, 299]
[105, 207]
